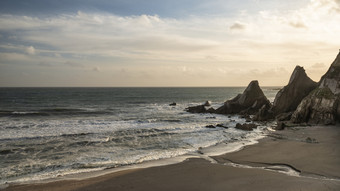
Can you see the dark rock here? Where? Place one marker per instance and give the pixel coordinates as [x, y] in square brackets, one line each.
[284, 116]
[207, 104]
[221, 125]
[172, 104]
[317, 108]
[5, 152]
[246, 126]
[196, 109]
[211, 110]
[311, 140]
[210, 126]
[244, 116]
[290, 96]
[249, 102]
[280, 126]
[264, 114]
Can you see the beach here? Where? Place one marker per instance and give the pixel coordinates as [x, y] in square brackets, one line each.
[297, 158]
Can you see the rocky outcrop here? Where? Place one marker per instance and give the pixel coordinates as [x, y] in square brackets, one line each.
[249, 102]
[207, 104]
[290, 96]
[264, 114]
[322, 106]
[201, 108]
[246, 126]
[280, 126]
[196, 109]
[332, 77]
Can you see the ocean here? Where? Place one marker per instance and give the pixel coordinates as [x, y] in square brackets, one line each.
[51, 132]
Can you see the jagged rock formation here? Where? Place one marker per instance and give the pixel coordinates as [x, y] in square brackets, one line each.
[317, 108]
[249, 102]
[322, 106]
[290, 96]
[301, 101]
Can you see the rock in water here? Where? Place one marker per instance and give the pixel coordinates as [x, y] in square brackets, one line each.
[207, 104]
[321, 106]
[290, 96]
[280, 126]
[246, 126]
[196, 109]
[249, 102]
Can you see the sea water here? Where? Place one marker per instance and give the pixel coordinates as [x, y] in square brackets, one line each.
[51, 132]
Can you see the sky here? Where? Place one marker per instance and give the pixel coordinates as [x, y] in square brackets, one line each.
[154, 43]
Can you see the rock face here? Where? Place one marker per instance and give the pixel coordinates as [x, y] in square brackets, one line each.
[322, 106]
[290, 96]
[264, 114]
[332, 77]
[249, 102]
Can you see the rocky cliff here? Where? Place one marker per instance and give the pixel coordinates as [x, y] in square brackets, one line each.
[290, 96]
[322, 106]
[249, 102]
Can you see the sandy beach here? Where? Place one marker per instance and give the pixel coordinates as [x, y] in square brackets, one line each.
[298, 158]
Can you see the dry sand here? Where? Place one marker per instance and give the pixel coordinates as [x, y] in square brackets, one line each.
[263, 166]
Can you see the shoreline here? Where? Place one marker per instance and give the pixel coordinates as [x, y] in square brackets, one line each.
[308, 164]
[203, 153]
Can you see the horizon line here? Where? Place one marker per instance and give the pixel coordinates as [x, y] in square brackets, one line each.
[129, 86]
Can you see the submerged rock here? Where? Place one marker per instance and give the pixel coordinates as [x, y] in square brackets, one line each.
[221, 125]
[172, 104]
[210, 126]
[290, 96]
[249, 102]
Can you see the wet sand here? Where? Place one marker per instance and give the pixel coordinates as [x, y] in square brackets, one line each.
[304, 158]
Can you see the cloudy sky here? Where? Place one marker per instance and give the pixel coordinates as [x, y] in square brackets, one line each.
[165, 42]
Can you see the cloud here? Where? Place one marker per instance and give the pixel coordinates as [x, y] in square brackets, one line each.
[193, 46]
[297, 24]
[237, 26]
[318, 66]
[45, 64]
[30, 50]
[74, 64]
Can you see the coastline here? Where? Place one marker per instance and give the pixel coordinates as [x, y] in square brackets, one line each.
[286, 160]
